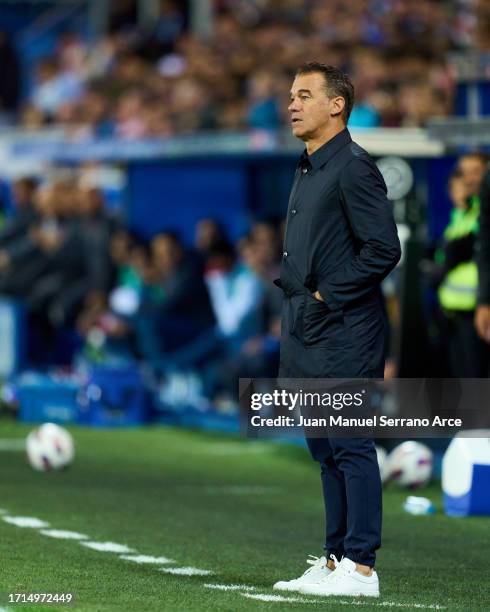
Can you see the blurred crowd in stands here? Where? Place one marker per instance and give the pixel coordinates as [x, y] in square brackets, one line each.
[163, 80]
[92, 288]
[211, 307]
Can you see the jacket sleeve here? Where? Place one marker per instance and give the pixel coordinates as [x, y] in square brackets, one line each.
[484, 243]
[370, 216]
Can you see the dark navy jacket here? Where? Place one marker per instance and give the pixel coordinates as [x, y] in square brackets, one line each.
[341, 240]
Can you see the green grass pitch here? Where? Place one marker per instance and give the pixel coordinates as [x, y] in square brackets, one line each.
[250, 512]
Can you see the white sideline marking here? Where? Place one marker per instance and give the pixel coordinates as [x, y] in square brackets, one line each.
[3, 511]
[146, 559]
[394, 604]
[370, 602]
[391, 604]
[60, 534]
[111, 547]
[185, 571]
[12, 444]
[25, 521]
[230, 587]
[5, 610]
[279, 598]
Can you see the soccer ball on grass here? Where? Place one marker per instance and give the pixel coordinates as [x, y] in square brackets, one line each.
[410, 464]
[50, 447]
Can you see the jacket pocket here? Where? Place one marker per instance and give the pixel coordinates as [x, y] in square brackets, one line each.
[321, 327]
[294, 317]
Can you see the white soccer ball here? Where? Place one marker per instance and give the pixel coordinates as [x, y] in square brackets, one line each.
[50, 447]
[410, 464]
[382, 462]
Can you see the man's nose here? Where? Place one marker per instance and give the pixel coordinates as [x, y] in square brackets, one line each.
[294, 105]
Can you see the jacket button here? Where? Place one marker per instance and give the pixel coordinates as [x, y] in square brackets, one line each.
[285, 254]
[294, 211]
[305, 170]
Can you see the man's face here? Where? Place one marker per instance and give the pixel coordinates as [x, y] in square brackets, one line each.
[310, 108]
[472, 170]
[458, 192]
[165, 254]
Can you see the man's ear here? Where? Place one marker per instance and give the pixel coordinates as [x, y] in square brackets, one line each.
[337, 106]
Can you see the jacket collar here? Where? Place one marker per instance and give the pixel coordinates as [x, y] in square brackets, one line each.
[322, 155]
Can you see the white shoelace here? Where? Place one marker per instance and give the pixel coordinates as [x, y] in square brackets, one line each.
[332, 573]
[315, 562]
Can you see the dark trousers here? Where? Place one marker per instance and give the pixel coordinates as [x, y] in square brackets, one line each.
[316, 343]
[353, 496]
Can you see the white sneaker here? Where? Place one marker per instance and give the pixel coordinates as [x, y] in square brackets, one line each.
[313, 575]
[345, 580]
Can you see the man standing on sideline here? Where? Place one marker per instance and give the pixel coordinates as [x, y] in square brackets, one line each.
[340, 242]
[482, 317]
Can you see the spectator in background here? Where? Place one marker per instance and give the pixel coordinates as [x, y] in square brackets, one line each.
[40, 258]
[129, 259]
[59, 261]
[86, 284]
[9, 77]
[209, 233]
[418, 102]
[158, 122]
[236, 293]
[93, 113]
[472, 167]
[175, 306]
[457, 276]
[72, 51]
[55, 87]
[266, 245]
[259, 353]
[130, 120]
[59, 241]
[107, 331]
[364, 115]
[17, 227]
[164, 34]
[191, 110]
[264, 108]
[28, 257]
[482, 317]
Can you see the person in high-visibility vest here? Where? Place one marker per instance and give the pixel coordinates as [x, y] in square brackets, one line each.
[458, 288]
[482, 316]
